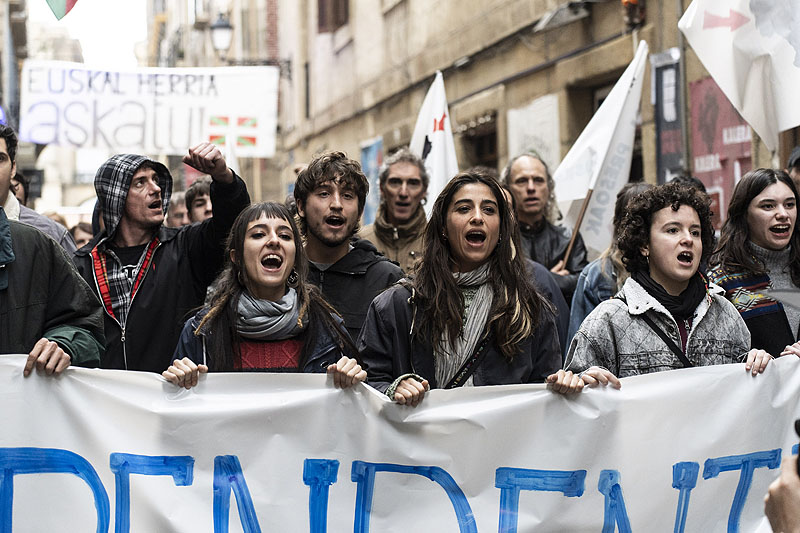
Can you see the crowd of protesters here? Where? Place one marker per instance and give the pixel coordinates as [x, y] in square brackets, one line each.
[477, 294]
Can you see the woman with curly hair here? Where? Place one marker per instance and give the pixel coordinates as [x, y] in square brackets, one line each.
[470, 315]
[666, 316]
[759, 249]
[265, 316]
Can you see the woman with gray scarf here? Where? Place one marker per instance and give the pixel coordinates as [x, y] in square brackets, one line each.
[468, 316]
[265, 316]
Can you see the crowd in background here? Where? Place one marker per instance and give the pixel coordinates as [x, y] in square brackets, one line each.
[488, 290]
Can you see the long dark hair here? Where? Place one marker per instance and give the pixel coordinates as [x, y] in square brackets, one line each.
[733, 252]
[516, 305]
[219, 324]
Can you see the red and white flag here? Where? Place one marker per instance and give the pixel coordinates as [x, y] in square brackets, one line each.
[600, 160]
[752, 50]
[61, 7]
[433, 140]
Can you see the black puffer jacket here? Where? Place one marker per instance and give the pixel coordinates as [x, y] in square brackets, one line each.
[184, 263]
[351, 283]
[389, 351]
[547, 244]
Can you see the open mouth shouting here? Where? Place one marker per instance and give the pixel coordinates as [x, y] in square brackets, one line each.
[686, 258]
[272, 262]
[781, 230]
[155, 204]
[476, 237]
[335, 221]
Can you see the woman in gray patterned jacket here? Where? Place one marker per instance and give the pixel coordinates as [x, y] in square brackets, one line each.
[667, 316]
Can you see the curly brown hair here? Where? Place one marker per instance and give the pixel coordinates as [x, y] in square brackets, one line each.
[634, 232]
[329, 166]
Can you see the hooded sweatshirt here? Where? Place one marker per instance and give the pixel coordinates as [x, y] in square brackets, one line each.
[144, 314]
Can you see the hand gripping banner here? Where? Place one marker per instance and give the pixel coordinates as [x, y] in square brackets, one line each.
[102, 450]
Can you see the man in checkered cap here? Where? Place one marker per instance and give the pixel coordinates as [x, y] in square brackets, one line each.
[149, 276]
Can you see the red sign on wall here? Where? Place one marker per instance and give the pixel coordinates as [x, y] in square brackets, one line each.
[721, 142]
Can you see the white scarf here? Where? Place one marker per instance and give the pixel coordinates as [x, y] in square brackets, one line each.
[448, 358]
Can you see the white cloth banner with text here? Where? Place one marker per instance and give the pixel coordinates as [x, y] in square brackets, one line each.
[150, 110]
[98, 449]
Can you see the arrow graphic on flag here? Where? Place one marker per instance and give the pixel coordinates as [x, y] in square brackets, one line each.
[734, 20]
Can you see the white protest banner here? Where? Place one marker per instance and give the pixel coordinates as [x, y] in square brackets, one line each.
[600, 160]
[432, 140]
[688, 450]
[752, 50]
[149, 110]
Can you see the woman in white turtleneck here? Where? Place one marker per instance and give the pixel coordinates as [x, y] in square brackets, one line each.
[759, 251]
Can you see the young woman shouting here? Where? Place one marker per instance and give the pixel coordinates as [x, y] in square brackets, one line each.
[470, 315]
[666, 316]
[264, 315]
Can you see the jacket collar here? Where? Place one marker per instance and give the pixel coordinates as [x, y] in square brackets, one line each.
[163, 233]
[358, 260]
[640, 301]
[11, 207]
[401, 233]
[6, 250]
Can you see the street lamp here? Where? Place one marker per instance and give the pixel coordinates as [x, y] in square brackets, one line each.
[221, 34]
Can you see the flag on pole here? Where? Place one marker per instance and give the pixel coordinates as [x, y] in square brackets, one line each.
[600, 160]
[752, 50]
[433, 140]
[61, 7]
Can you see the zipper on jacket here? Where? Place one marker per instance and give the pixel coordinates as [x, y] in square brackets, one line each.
[321, 279]
[121, 327]
[124, 349]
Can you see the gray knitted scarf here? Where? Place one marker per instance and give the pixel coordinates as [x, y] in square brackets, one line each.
[268, 320]
[448, 358]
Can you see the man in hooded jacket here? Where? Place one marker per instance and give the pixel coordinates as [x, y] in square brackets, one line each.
[148, 276]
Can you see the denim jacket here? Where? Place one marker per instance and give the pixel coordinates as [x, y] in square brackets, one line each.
[614, 335]
[597, 283]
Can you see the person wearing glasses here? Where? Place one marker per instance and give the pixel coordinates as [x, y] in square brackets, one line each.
[398, 228]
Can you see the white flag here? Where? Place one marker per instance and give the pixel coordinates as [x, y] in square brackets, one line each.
[752, 50]
[433, 140]
[600, 160]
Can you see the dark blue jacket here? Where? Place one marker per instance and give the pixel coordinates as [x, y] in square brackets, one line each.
[325, 351]
[389, 350]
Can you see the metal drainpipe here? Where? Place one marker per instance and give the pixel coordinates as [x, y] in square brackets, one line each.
[684, 92]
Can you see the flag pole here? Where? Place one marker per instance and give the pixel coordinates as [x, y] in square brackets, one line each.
[578, 223]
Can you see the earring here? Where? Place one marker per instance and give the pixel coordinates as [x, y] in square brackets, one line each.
[444, 236]
[293, 278]
[424, 200]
